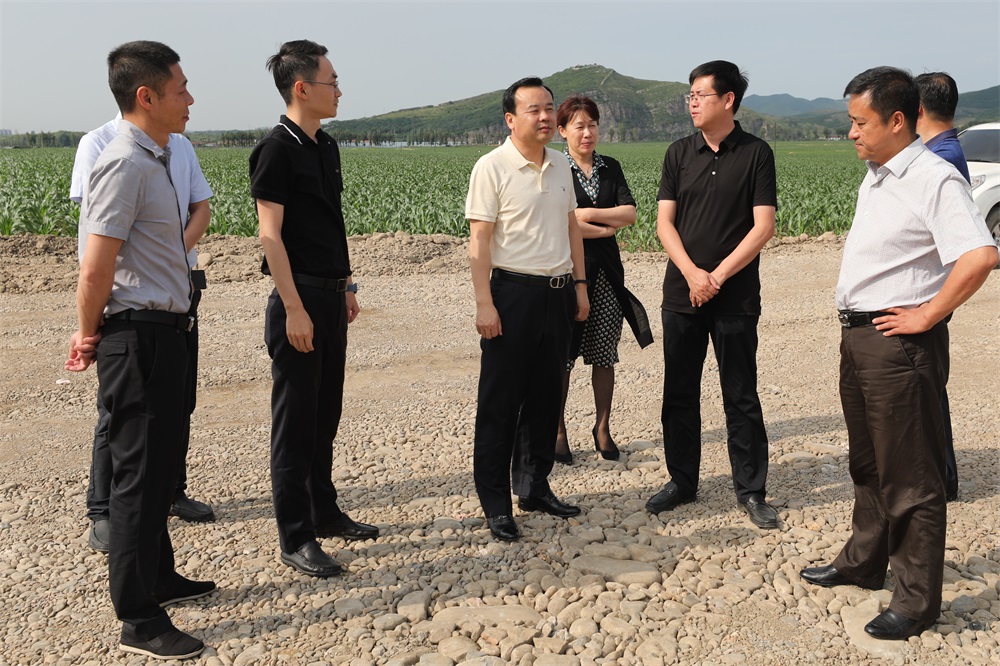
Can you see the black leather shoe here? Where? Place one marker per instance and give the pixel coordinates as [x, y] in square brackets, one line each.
[668, 498]
[828, 576]
[100, 535]
[503, 528]
[347, 528]
[183, 589]
[548, 503]
[312, 561]
[891, 626]
[191, 510]
[761, 513]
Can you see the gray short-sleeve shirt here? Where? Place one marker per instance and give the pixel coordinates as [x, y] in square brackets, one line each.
[130, 197]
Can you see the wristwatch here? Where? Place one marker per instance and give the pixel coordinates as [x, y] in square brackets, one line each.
[353, 288]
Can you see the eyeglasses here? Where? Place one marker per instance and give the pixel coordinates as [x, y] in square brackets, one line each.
[698, 97]
[335, 84]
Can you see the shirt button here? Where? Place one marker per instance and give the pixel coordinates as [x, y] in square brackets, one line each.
[713, 173]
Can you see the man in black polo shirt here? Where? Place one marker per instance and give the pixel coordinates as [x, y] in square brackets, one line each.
[296, 181]
[717, 202]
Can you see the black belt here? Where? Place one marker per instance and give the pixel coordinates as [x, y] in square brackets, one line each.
[850, 318]
[182, 322]
[553, 281]
[332, 284]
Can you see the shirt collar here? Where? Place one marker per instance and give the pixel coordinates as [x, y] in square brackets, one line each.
[726, 144]
[598, 161]
[142, 139]
[898, 163]
[519, 161]
[938, 138]
[297, 132]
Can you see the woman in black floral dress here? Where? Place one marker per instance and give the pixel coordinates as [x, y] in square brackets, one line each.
[605, 204]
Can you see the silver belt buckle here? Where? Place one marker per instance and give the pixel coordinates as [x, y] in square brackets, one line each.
[845, 319]
[557, 281]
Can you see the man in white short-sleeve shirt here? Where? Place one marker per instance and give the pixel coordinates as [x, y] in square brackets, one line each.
[918, 248]
[193, 193]
[529, 280]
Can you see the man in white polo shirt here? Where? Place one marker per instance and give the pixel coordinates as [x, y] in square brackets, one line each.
[528, 275]
[193, 193]
[917, 250]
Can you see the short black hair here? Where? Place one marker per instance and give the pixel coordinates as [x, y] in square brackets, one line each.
[509, 103]
[889, 90]
[136, 64]
[938, 95]
[726, 78]
[294, 60]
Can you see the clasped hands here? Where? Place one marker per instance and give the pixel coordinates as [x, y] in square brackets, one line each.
[703, 286]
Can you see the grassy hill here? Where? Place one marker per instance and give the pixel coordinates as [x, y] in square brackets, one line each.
[979, 106]
[631, 110]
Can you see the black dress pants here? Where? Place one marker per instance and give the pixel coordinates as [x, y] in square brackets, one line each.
[685, 342]
[99, 487]
[306, 403]
[142, 374]
[890, 388]
[520, 393]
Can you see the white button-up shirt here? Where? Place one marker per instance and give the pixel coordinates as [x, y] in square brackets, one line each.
[914, 218]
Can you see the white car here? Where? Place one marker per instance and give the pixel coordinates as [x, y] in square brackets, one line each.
[981, 145]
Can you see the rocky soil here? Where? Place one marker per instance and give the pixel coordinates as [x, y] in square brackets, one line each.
[699, 585]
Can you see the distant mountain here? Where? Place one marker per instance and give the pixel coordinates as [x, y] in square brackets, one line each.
[979, 106]
[631, 110]
[784, 105]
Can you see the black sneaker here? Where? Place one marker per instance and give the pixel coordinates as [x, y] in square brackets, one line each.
[171, 644]
[183, 589]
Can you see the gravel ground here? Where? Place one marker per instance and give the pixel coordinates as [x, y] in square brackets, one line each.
[617, 585]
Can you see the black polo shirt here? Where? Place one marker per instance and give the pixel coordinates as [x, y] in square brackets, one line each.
[289, 168]
[715, 195]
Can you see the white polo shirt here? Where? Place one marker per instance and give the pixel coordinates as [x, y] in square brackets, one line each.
[529, 206]
[185, 172]
[915, 217]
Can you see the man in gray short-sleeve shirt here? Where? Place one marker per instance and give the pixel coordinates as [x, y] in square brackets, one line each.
[132, 302]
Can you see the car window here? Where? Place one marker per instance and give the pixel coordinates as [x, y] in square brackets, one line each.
[981, 145]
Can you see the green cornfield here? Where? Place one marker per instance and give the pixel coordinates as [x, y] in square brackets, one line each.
[422, 190]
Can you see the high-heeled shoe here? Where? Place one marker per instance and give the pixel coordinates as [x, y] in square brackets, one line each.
[564, 458]
[611, 454]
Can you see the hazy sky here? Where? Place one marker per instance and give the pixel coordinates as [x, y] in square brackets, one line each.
[393, 55]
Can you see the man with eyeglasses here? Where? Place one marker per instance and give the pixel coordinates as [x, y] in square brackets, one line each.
[716, 210]
[296, 181]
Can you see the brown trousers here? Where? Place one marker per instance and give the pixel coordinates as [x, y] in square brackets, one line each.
[890, 389]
